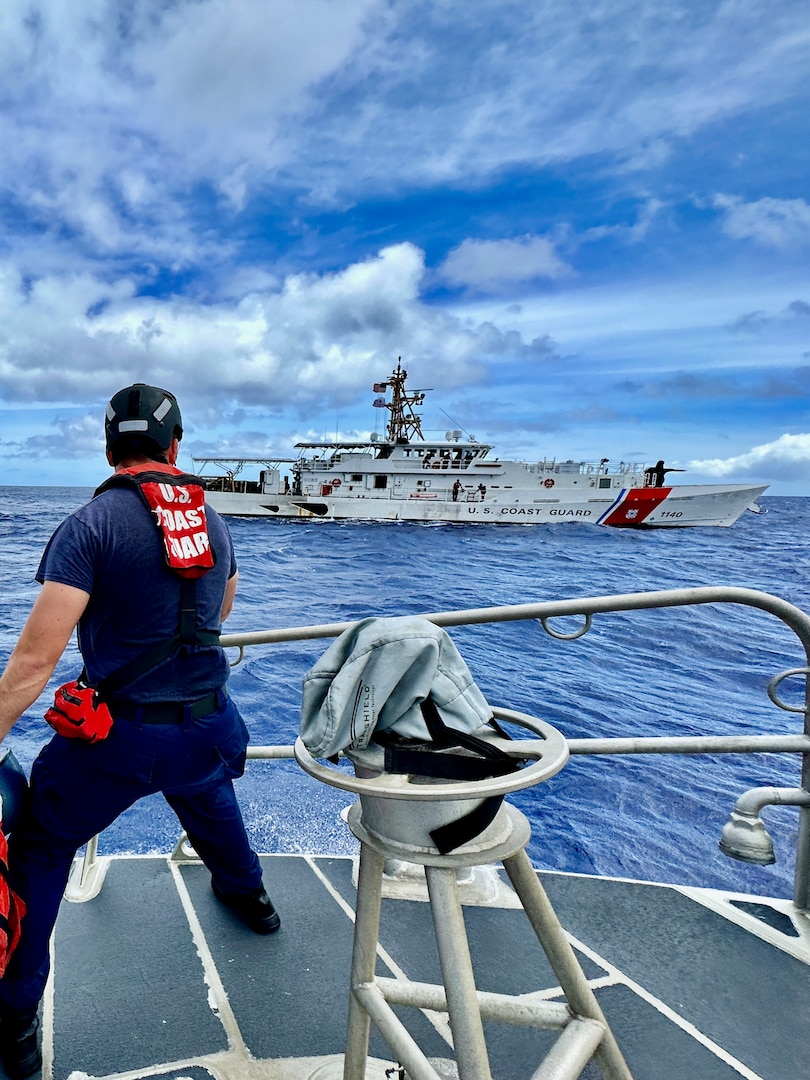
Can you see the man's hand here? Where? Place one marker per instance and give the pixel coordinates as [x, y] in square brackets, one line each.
[43, 639]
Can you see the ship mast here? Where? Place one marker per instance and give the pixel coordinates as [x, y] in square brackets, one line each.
[404, 424]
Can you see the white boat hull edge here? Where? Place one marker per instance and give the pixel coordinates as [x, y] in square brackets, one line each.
[676, 507]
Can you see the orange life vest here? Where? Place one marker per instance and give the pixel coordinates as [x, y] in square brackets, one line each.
[177, 501]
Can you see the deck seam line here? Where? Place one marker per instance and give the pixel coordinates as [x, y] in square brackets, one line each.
[213, 1063]
[685, 1025]
[48, 1013]
[223, 1010]
[552, 992]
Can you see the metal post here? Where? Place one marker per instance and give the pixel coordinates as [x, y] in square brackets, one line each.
[457, 974]
[89, 860]
[801, 877]
[801, 891]
[563, 960]
[364, 959]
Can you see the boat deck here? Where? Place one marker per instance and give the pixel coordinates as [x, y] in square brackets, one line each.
[152, 977]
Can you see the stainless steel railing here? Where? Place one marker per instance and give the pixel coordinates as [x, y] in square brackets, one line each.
[545, 611]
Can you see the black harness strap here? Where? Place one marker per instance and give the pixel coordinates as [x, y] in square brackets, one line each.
[187, 634]
[187, 628]
[424, 762]
[451, 836]
[492, 761]
[443, 735]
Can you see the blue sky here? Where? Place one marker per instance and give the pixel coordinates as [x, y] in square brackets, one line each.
[585, 226]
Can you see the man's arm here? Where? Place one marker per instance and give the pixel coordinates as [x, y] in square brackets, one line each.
[230, 593]
[43, 639]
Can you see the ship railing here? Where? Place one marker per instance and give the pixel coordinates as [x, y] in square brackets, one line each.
[231, 485]
[84, 881]
[585, 468]
[547, 465]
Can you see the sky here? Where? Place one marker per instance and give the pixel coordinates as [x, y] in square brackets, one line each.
[585, 227]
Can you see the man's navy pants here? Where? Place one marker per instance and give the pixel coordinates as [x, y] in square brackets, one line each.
[79, 788]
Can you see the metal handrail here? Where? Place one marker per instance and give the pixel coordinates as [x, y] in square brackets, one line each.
[794, 617]
[543, 611]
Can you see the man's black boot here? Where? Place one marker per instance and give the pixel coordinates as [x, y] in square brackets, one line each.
[255, 909]
[20, 1052]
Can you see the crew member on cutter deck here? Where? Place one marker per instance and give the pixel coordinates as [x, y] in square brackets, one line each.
[148, 624]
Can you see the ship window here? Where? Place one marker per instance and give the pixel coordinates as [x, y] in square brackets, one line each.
[604, 481]
[357, 477]
[380, 481]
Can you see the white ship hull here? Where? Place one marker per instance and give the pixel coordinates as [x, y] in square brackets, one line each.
[677, 507]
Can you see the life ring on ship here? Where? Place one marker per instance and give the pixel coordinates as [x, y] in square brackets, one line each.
[336, 482]
[548, 483]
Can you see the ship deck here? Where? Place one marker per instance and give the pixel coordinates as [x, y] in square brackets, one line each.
[152, 977]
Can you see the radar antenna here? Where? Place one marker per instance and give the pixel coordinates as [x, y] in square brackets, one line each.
[404, 424]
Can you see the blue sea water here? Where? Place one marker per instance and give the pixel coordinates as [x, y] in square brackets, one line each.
[677, 671]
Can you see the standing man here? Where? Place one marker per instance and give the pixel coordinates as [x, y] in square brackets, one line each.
[148, 592]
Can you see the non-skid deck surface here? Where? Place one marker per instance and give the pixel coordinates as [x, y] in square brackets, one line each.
[153, 977]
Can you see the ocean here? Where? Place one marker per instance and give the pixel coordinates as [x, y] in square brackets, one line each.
[678, 671]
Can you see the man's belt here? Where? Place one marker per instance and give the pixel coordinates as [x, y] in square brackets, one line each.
[167, 712]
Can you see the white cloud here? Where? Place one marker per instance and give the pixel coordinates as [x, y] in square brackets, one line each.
[787, 458]
[119, 110]
[116, 109]
[308, 341]
[169, 166]
[629, 234]
[459, 93]
[778, 223]
[495, 264]
[227, 72]
[72, 437]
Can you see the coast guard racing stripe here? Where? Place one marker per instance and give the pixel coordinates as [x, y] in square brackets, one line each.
[634, 506]
[177, 501]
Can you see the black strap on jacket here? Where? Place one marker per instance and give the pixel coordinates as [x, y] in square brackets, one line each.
[422, 760]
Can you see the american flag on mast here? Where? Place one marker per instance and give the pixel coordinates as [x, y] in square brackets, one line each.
[380, 387]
